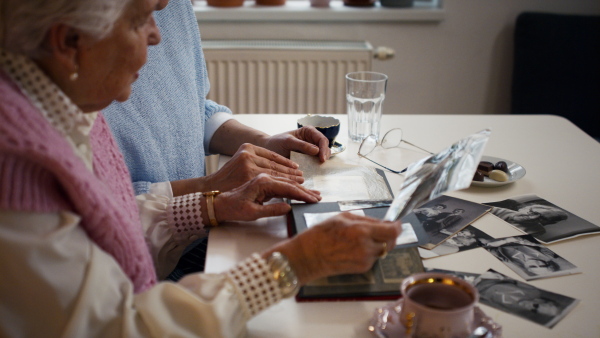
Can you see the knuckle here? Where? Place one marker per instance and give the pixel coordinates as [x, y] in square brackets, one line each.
[263, 178]
[245, 155]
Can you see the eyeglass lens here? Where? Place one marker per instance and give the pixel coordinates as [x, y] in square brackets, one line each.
[391, 139]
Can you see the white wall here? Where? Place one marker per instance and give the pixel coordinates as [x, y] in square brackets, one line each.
[461, 65]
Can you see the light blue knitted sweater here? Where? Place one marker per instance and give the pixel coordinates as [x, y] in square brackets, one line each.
[160, 129]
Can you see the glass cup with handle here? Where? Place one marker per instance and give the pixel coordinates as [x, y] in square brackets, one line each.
[391, 139]
[365, 92]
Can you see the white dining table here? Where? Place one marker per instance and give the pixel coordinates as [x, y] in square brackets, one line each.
[562, 166]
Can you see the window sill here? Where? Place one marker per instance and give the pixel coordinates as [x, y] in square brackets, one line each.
[303, 12]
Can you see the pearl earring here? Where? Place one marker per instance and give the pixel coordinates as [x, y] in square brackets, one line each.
[75, 75]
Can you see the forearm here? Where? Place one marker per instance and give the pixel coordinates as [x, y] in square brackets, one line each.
[192, 185]
[169, 226]
[198, 306]
[232, 134]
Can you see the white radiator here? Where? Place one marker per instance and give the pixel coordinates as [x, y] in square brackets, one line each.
[283, 77]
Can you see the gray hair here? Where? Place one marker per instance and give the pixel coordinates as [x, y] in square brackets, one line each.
[24, 24]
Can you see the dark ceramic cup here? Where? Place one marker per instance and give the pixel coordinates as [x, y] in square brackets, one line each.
[329, 126]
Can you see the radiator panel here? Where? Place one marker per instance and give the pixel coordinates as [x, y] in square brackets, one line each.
[279, 77]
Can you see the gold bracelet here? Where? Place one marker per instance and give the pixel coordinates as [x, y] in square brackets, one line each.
[210, 199]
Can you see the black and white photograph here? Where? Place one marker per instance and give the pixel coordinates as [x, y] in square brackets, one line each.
[464, 240]
[521, 299]
[529, 258]
[543, 220]
[444, 216]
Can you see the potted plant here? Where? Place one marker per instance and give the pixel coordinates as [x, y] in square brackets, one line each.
[225, 3]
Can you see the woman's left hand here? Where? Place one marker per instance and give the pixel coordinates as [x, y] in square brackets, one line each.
[246, 202]
[307, 140]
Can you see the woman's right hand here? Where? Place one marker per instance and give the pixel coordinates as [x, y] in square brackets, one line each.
[342, 244]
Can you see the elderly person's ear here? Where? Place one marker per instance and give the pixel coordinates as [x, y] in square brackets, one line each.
[62, 43]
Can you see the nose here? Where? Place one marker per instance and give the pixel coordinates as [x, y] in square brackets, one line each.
[154, 35]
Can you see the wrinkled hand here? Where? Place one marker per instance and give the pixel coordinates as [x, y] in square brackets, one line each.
[307, 140]
[250, 161]
[343, 244]
[246, 203]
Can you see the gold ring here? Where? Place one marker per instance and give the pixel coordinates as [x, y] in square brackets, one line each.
[384, 253]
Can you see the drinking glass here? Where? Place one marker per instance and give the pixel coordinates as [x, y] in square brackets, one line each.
[391, 139]
[365, 92]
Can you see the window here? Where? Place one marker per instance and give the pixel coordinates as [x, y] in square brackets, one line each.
[300, 10]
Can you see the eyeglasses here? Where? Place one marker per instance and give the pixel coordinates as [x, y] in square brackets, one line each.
[391, 139]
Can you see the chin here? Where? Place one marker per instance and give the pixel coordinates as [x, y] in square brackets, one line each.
[124, 96]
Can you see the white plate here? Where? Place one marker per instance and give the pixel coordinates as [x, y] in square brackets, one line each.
[515, 173]
[337, 148]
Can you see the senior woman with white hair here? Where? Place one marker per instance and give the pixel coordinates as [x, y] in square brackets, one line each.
[75, 252]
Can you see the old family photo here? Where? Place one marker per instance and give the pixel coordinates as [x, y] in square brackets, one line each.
[446, 221]
[445, 216]
[543, 220]
[522, 299]
[517, 298]
[528, 258]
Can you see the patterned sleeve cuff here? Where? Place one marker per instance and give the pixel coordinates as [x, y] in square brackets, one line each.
[184, 215]
[257, 289]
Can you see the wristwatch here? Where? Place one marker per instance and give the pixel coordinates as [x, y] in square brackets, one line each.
[210, 199]
[283, 274]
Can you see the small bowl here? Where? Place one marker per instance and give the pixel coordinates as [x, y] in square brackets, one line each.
[327, 125]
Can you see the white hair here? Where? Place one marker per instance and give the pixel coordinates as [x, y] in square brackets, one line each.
[24, 24]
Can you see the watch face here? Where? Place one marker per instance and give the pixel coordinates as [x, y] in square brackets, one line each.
[283, 274]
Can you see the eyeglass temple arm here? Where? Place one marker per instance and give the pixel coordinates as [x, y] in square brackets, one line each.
[384, 167]
[414, 145]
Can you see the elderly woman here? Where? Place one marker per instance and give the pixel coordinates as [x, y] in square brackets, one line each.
[75, 251]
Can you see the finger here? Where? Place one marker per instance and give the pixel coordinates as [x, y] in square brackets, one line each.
[313, 192]
[324, 150]
[295, 178]
[302, 146]
[275, 209]
[379, 231]
[274, 169]
[275, 157]
[384, 250]
[287, 189]
[388, 240]
[312, 135]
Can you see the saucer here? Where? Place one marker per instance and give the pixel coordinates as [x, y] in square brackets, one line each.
[337, 148]
[385, 322]
[515, 173]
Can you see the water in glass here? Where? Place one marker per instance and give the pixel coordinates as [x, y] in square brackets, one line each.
[363, 116]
